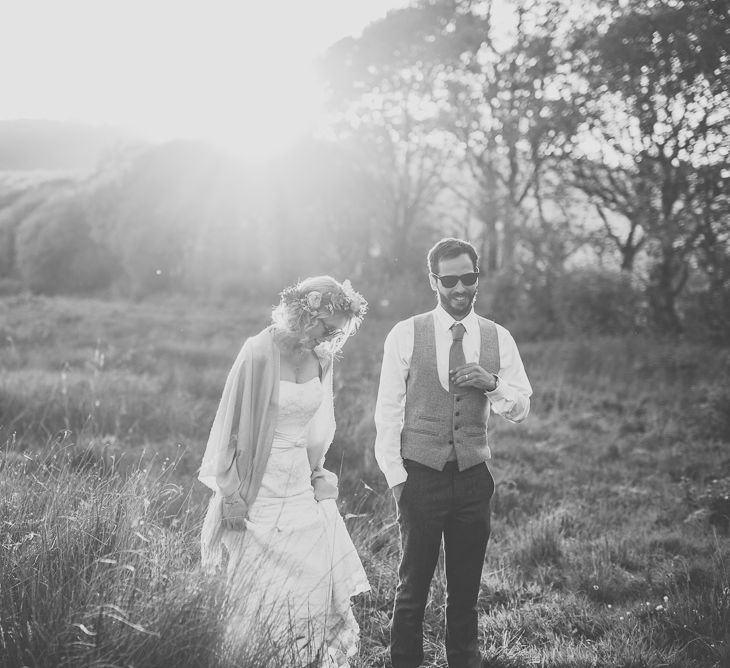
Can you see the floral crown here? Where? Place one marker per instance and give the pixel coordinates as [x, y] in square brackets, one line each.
[316, 303]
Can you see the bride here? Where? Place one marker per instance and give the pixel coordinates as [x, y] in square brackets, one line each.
[292, 567]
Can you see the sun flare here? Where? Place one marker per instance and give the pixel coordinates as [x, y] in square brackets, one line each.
[239, 74]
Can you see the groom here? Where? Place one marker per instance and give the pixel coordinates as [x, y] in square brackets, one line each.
[442, 373]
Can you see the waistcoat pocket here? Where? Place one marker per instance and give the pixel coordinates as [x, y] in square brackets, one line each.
[473, 430]
[429, 418]
[416, 430]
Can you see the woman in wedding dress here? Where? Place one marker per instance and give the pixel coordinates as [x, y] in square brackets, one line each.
[292, 567]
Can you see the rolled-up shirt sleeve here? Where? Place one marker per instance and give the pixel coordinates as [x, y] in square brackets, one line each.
[390, 404]
[511, 397]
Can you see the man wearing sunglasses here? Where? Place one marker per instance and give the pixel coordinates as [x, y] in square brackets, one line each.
[443, 373]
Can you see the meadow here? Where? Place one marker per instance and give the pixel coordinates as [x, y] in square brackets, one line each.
[611, 515]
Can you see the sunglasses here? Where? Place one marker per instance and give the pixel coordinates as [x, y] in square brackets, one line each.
[450, 281]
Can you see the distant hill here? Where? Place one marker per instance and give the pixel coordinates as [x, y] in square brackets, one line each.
[55, 145]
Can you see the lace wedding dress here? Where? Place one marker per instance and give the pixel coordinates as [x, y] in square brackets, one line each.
[293, 570]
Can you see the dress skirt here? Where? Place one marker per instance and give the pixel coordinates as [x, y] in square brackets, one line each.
[294, 569]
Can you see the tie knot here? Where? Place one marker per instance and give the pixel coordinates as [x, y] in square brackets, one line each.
[457, 331]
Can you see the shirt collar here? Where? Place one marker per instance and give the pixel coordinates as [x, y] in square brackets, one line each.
[444, 321]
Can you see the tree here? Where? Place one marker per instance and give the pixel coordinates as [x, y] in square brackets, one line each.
[659, 117]
[317, 213]
[17, 204]
[56, 252]
[508, 112]
[175, 216]
[387, 94]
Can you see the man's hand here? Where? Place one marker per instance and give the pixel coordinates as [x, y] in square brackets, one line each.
[234, 512]
[472, 375]
[397, 491]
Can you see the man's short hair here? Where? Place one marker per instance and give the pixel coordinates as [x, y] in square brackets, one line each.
[449, 248]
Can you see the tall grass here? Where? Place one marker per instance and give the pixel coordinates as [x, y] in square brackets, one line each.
[96, 569]
[609, 545]
[102, 570]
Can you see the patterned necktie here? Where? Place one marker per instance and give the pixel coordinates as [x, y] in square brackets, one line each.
[456, 353]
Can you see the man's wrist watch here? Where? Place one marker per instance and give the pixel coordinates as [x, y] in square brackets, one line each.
[496, 383]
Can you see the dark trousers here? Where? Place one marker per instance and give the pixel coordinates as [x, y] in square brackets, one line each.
[433, 504]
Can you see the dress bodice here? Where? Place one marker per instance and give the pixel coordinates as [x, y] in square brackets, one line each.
[298, 402]
[287, 472]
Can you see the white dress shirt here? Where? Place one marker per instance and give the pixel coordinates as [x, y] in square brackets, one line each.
[510, 399]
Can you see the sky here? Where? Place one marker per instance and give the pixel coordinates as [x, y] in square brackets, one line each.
[235, 72]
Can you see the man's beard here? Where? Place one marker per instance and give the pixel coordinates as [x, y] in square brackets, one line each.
[457, 307]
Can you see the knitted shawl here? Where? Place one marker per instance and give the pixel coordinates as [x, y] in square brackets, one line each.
[240, 439]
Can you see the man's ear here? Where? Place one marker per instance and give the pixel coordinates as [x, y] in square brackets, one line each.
[434, 283]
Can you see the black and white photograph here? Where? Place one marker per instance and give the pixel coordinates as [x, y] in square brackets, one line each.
[365, 334]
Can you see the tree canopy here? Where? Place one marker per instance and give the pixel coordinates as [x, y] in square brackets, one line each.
[585, 152]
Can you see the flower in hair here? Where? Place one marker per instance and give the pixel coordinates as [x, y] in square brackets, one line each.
[316, 303]
[314, 299]
[357, 304]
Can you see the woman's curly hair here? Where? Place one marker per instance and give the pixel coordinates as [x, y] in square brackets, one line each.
[312, 299]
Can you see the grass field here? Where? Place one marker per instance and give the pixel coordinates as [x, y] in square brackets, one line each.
[610, 523]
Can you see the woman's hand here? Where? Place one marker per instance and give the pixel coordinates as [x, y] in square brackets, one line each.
[234, 512]
[324, 483]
